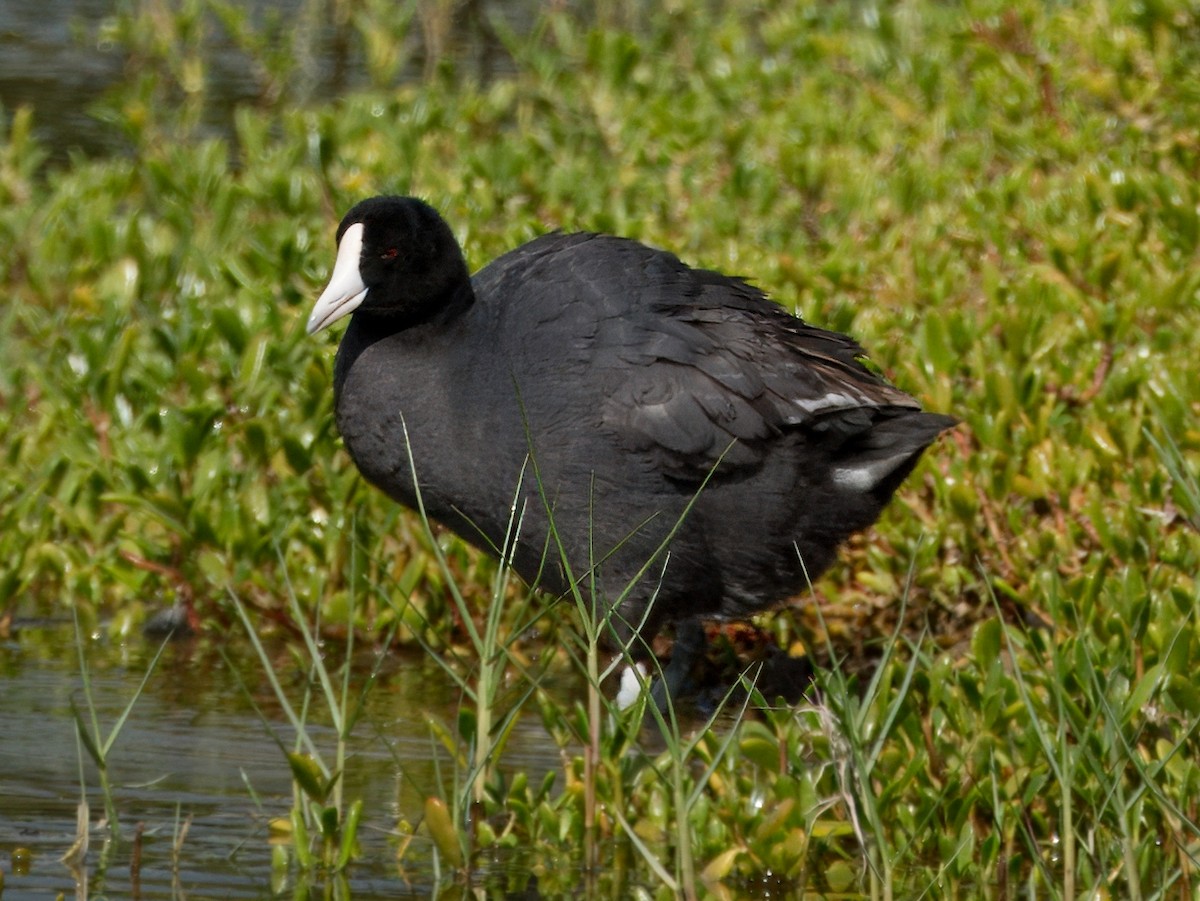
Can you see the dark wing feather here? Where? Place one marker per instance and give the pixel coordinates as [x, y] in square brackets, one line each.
[694, 367]
[711, 370]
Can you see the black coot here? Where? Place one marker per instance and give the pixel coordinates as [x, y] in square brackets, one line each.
[700, 452]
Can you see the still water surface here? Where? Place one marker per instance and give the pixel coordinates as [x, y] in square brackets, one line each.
[58, 58]
[194, 746]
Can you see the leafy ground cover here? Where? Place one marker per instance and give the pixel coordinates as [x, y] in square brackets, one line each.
[1002, 202]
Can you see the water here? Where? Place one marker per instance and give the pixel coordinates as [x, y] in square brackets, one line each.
[199, 746]
[44, 66]
[55, 58]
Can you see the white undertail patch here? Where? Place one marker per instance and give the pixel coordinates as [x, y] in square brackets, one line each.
[866, 476]
[631, 685]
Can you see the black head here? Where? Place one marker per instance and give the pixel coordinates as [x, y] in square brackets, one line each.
[396, 257]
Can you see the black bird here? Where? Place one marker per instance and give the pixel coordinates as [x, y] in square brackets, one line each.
[699, 452]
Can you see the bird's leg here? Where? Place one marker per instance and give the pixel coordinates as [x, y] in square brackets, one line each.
[689, 646]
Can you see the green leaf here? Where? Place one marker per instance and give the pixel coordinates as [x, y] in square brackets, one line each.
[329, 823]
[300, 840]
[1145, 689]
[985, 644]
[349, 843]
[308, 775]
[441, 828]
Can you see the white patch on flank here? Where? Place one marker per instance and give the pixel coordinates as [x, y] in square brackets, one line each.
[345, 290]
[834, 400]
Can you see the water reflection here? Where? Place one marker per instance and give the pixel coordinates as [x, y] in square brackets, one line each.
[46, 63]
[195, 747]
[54, 58]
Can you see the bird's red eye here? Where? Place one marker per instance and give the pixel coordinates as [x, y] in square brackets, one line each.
[390, 254]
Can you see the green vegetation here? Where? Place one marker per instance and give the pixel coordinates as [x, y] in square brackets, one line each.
[326, 816]
[1002, 202]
